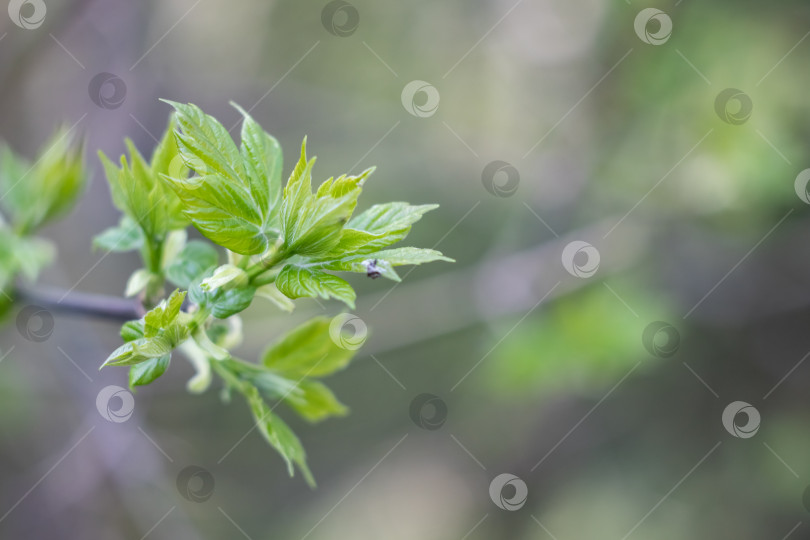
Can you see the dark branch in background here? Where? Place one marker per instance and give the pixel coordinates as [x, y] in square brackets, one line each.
[95, 305]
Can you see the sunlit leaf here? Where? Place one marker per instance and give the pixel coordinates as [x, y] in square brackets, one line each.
[307, 350]
[297, 282]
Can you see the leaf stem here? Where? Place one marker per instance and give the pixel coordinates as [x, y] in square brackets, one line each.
[152, 254]
[227, 375]
[273, 256]
[265, 278]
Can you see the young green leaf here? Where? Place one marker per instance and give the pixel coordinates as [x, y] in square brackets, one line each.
[271, 292]
[226, 303]
[312, 223]
[314, 401]
[411, 255]
[126, 236]
[298, 281]
[377, 228]
[166, 160]
[201, 380]
[222, 303]
[306, 277]
[24, 254]
[33, 194]
[223, 212]
[212, 349]
[262, 158]
[156, 335]
[298, 190]
[228, 205]
[382, 262]
[164, 315]
[307, 351]
[33, 254]
[226, 334]
[191, 263]
[173, 245]
[389, 217]
[132, 330]
[137, 189]
[146, 372]
[278, 434]
[205, 144]
[139, 350]
[226, 276]
[138, 282]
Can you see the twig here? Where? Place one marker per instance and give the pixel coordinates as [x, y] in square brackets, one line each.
[96, 305]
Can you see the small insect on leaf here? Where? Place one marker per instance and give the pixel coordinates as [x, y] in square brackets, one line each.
[372, 270]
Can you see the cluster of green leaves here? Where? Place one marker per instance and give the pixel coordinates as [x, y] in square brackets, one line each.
[153, 221]
[281, 244]
[31, 195]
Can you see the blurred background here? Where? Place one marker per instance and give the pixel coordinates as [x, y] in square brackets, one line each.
[621, 184]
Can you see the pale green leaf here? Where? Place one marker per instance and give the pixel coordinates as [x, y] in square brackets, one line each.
[388, 217]
[314, 401]
[222, 210]
[222, 303]
[226, 303]
[191, 263]
[383, 261]
[226, 333]
[172, 247]
[410, 255]
[132, 330]
[307, 351]
[204, 342]
[146, 372]
[138, 191]
[226, 276]
[377, 228]
[297, 282]
[166, 160]
[298, 190]
[226, 202]
[160, 331]
[127, 236]
[312, 223]
[262, 159]
[137, 282]
[139, 350]
[199, 360]
[172, 306]
[205, 144]
[278, 434]
[30, 255]
[38, 192]
[271, 292]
